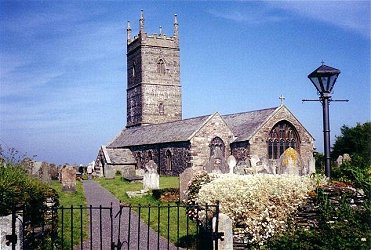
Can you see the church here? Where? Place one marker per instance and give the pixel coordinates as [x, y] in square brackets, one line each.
[156, 131]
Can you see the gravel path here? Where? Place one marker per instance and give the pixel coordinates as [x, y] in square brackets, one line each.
[96, 195]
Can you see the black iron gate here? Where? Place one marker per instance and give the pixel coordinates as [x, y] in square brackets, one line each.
[107, 227]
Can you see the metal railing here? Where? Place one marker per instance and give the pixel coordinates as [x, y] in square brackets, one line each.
[119, 227]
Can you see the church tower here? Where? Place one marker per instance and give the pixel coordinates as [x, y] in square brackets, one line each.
[153, 77]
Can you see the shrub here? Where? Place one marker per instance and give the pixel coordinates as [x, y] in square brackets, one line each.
[259, 205]
[18, 189]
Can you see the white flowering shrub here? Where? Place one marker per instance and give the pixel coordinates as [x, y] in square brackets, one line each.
[259, 205]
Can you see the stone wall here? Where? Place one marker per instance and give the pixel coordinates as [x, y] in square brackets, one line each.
[200, 150]
[180, 156]
[258, 143]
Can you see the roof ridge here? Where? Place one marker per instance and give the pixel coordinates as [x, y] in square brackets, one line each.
[246, 112]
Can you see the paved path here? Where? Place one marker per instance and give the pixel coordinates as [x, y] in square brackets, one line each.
[96, 195]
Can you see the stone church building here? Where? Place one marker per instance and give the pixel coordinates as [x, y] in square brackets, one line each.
[156, 131]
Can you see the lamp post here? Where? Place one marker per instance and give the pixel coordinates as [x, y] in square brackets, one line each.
[324, 78]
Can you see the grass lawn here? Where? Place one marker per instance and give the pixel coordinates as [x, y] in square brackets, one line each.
[167, 218]
[79, 216]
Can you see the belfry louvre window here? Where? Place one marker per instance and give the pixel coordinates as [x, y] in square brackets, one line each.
[281, 137]
[161, 67]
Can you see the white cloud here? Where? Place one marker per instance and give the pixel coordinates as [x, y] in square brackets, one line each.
[349, 15]
[249, 15]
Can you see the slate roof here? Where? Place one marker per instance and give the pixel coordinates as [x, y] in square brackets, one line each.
[159, 133]
[243, 126]
[118, 156]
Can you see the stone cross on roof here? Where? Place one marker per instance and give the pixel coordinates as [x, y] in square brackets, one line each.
[282, 98]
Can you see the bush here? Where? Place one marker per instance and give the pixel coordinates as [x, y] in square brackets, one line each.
[259, 205]
[18, 189]
[340, 226]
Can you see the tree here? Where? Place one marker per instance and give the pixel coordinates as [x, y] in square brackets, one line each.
[355, 141]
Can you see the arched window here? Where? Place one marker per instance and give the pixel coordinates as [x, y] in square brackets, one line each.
[133, 70]
[139, 159]
[161, 109]
[169, 165]
[217, 142]
[282, 136]
[161, 67]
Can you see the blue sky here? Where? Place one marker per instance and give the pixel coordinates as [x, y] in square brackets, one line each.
[63, 65]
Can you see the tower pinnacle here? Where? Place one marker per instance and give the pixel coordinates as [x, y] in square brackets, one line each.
[141, 22]
[176, 31]
[128, 33]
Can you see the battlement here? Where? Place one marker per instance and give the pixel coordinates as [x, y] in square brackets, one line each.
[152, 38]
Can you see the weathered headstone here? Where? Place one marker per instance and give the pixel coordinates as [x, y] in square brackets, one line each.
[312, 165]
[6, 229]
[254, 159]
[68, 179]
[231, 163]
[128, 171]
[109, 172]
[184, 179]
[217, 163]
[224, 226]
[151, 178]
[44, 172]
[290, 162]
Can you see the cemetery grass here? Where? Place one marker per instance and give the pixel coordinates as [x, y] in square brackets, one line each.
[66, 200]
[173, 227]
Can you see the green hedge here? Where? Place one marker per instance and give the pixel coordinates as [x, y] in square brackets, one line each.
[17, 189]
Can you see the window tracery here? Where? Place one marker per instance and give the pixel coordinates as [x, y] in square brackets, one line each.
[282, 136]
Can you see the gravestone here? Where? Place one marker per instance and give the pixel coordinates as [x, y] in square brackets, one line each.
[231, 163]
[312, 165]
[184, 178]
[224, 226]
[151, 178]
[109, 172]
[45, 173]
[6, 229]
[217, 163]
[68, 179]
[128, 171]
[290, 162]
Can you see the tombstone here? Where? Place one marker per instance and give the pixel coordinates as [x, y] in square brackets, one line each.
[68, 179]
[339, 161]
[217, 163]
[241, 168]
[6, 229]
[224, 226]
[290, 162]
[128, 171]
[109, 172]
[151, 178]
[231, 163]
[184, 180]
[254, 159]
[312, 165]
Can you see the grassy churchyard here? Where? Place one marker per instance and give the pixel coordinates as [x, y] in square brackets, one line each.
[160, 216]
[79, 215]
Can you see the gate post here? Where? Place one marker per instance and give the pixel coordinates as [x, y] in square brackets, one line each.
[224, 226]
